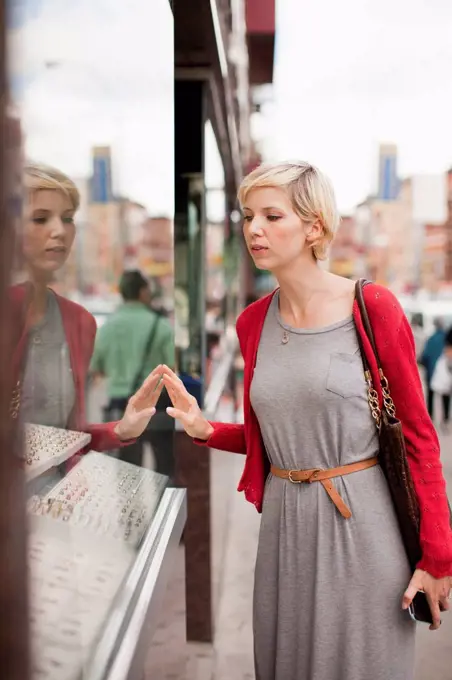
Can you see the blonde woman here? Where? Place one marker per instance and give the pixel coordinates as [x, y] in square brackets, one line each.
[332, 580]
[54, 337]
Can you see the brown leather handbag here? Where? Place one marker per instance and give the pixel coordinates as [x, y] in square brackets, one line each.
[393, 458]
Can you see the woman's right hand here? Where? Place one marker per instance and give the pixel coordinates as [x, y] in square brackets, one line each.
[185, 407]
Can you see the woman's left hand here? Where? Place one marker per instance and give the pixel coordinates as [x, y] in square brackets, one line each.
[141, 407]
[437, 591]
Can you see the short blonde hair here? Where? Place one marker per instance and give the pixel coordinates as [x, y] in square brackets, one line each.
[310, 192]
[39, 177]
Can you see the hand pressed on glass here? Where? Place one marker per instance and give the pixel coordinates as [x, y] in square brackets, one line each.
[141, 407]
[185, 407]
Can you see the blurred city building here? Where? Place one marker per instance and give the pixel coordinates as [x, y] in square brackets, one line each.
[347, 249]
[434, 257]
[388, 181]
[448, 229]
[386, 240]
[402, 236]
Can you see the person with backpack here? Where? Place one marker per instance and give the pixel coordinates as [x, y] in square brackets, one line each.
[133, 339]
[433, 350]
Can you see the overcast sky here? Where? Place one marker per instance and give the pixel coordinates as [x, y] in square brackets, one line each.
[354, 73]
[113, 85]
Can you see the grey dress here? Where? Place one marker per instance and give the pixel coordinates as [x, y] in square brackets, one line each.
[48, 392]
[328, 590]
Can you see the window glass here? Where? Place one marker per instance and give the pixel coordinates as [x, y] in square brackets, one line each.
[92, 293]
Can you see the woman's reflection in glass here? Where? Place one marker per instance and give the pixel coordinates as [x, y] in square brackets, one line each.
[55, 336]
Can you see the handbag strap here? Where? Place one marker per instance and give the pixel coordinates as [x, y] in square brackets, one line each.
[146, 354]
[388, 404]
[359, 294]
[15, 401]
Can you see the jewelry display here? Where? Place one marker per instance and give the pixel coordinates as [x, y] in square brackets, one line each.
[106, 496]
[73, 580]
[107, 505]
[47, 447]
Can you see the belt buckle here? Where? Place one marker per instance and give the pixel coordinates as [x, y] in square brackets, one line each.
[294, 481]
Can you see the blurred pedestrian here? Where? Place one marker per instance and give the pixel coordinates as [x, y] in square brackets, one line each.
[417, 326]
[433, 350]
[129, 345]
[332, 580]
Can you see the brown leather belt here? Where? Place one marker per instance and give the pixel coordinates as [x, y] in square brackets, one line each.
[324, 477]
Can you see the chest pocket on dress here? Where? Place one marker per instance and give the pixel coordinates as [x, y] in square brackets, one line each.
[346, 375]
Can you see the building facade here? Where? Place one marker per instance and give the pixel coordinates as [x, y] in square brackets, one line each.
[223, 48]
[384, 237]
[388, 181]
[406, 242]
[345, 256]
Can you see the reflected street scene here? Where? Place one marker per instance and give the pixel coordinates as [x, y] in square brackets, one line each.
[91, 293]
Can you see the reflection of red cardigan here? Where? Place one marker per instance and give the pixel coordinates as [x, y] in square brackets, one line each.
[80, 330]
[395, 346]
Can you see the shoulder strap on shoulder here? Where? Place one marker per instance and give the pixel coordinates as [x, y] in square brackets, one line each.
[146, 354]
[359, 294]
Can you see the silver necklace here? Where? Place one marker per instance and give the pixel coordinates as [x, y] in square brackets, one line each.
[285, 337]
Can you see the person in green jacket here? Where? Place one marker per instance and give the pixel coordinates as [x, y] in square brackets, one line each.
[132, 341]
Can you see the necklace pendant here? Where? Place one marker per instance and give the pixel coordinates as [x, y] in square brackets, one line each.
[285, 338]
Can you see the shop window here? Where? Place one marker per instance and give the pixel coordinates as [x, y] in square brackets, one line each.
[92, 291]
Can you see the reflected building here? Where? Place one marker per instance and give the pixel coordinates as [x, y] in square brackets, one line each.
[101, 180]
[113, 234]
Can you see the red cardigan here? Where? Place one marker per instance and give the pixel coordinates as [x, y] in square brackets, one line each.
[395, 346]
[80, 330]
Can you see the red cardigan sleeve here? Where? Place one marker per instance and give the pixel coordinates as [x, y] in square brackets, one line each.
[104, 438]
[226, 437]
[395, 345]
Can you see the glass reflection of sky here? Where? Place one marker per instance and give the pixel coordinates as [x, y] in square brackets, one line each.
[95, 73]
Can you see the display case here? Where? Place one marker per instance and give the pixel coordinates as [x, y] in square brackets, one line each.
[102, 539]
